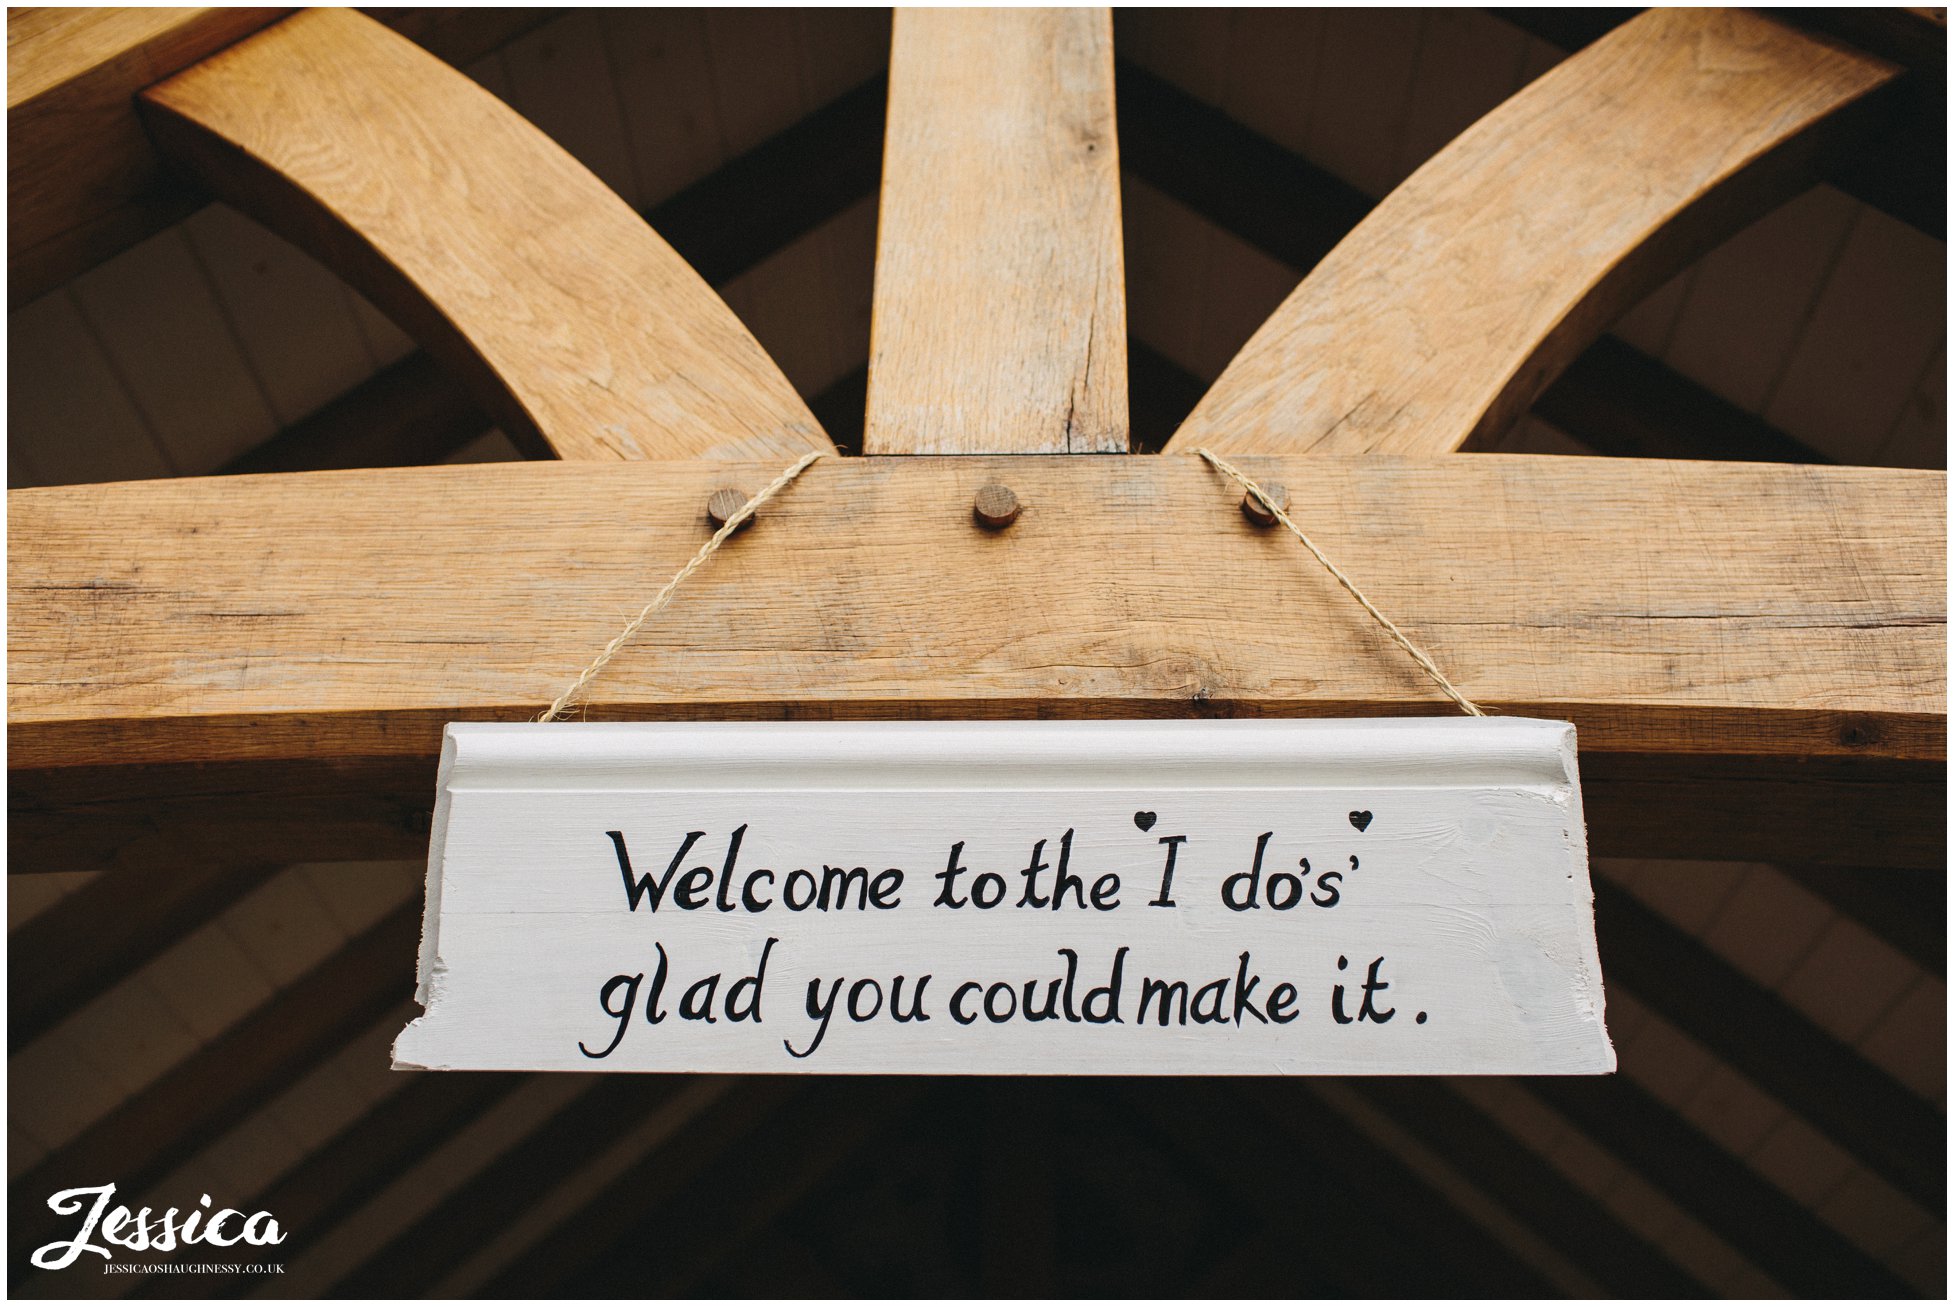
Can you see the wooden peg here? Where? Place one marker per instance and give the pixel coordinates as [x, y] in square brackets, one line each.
[725, 502]
[995, 507]
[1257, 512]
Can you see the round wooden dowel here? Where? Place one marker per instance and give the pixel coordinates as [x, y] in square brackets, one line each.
[725, 502]
[995, 507]
[1257, 512]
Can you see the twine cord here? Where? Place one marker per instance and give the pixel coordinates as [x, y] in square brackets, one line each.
[786, 478]
[1418, 655]
[664, 596]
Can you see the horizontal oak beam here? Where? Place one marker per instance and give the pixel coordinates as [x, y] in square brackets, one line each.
[1695, 608]
[1707, 626]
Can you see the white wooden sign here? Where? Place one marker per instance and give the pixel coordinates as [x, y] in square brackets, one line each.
[1215, 897]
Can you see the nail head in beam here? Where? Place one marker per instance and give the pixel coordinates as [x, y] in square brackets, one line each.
[725, 502]
[995, 507]
[1258, 512]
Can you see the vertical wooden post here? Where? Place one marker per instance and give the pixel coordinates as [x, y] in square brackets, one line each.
[1000, 303]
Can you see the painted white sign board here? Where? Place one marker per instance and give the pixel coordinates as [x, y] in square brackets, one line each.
[1129, 898]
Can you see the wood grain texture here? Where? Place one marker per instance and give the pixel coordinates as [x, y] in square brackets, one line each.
[576, 326]
[1000, 309]
[1666, 608]
[83, 180]
[1468, 289]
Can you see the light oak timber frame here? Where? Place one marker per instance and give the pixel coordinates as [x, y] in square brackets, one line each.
[1446, 312]
[434, 199]
[258, 668]
[83, 180]
[1009, 336]
[258, 622]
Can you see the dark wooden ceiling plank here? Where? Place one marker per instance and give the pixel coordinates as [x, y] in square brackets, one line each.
[762, 1176]
[461, 36]
[785, 187]
[1281, 203]
[407, 414]
[1618, 401]
[1906, 907]
[650, 1184]
[104, 931]
[1783, 1238]
[422, 1253]
[337, 1177]
[1362, 1199]
[1530, 1188]
[1898, 1135]
[147, 1136]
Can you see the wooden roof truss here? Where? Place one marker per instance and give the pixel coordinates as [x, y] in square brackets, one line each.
[211, 677]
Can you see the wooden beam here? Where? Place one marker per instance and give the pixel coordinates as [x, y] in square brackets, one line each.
[575, 326]
[1901, 169]
[83, 180]
[1469, 288]
[1000, 309]
[723, 224]
[1613, 398]
[1696, 608]
[181, 650]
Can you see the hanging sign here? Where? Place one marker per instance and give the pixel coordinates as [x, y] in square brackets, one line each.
[1125, 898]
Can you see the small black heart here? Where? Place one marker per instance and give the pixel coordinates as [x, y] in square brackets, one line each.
[1361, 820]
[1144, 820]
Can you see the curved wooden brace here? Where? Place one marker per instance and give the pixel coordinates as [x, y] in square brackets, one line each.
[577, 327]
[1469, 288]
